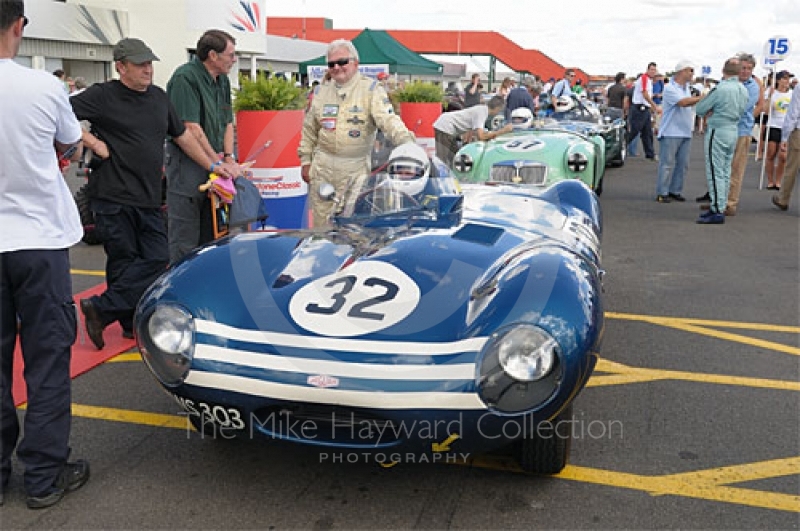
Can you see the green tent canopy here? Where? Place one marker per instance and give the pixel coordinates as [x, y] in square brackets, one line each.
[378, 47]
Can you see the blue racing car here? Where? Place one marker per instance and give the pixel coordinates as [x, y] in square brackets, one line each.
[429, 322]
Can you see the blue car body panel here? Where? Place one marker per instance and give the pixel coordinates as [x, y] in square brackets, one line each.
[515, 256]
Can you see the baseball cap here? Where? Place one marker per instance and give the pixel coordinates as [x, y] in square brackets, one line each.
[134, 51]
[784, 73]
[685, 63]
[382, 75]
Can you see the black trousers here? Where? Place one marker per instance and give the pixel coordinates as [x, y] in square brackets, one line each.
[36, 300]
[641, 123]
[135, 241]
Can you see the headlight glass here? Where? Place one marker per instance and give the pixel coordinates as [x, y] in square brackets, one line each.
[577, 161]
[463, 163]
[527, 353]
[171, 329]
[168, 343]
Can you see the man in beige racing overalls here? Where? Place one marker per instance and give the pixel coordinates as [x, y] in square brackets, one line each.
[340, 126]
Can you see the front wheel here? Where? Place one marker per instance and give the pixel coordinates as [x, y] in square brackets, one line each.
[546, 451]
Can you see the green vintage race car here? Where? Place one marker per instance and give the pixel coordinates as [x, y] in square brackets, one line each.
[535, 156]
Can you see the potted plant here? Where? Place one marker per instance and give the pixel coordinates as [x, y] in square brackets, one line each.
[269, 121]
[420, 103]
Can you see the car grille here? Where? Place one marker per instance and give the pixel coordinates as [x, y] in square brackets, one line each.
[519, 173]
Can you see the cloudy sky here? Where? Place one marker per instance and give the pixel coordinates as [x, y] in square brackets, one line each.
[601, 37]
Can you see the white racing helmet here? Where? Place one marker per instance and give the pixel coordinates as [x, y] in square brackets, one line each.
[409, 168]
[521, 118]
[564, 104]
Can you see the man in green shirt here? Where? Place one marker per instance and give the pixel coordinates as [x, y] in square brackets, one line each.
[200, 91]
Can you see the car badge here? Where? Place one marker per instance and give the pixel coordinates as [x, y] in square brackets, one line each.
[323, 381]
[355, 108]
[355, 120]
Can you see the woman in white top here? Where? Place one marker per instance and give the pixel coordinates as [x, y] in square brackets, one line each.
[778, 106]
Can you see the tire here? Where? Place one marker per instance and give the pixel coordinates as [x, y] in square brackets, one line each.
[539, 454]
[90, 236]
[619, 160]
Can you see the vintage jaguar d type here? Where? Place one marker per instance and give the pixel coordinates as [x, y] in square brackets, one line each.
[428, 322]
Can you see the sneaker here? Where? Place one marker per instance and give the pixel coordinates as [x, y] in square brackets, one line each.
[72, 477]
[711, 218]
[663, 199]
[654, 158]
[94, 325]
[777, 202]
[705, 198]
[677, 197]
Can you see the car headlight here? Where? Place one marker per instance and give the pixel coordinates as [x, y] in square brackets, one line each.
[526, 353]
[167, 343]
[463, 163]
[577, 161]
[520, 369]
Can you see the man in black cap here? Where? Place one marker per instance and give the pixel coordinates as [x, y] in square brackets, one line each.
[130, 120]
[40, 223]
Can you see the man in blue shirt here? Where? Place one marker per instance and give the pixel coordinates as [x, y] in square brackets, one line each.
[521, 97]
[675, 134]
[564, 86]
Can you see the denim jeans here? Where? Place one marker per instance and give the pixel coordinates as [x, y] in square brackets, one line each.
[673, 164]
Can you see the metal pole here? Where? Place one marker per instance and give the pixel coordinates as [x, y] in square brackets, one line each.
[760, 135]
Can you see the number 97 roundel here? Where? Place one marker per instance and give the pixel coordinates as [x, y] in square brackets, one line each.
[361, 299]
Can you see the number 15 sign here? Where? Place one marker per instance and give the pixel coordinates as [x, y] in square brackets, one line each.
[777, 49]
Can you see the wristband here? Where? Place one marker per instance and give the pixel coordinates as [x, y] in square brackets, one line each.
[226, 155]
[214, 165]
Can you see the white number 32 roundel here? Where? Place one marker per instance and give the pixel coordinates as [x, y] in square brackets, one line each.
[360, 299]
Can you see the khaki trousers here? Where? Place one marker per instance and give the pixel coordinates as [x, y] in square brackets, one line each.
[738, 166]
[792, 167]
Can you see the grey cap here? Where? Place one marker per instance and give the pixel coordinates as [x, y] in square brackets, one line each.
[133, 51]
[528, 81]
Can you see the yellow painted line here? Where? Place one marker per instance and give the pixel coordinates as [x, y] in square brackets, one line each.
[127, 357]
[741, 473]
[701, 484]
[704, 322]
[88, 272]
[626, 375]
[130, 416]
[698, 326]
[679, 485]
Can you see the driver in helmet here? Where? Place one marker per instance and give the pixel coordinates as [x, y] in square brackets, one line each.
[409, 169]
[564, 104]
[400, 187]
[521, 118]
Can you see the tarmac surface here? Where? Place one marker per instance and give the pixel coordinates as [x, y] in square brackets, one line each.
[692, 419]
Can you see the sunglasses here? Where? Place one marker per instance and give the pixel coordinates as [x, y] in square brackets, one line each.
[339, 62]
[24, 21]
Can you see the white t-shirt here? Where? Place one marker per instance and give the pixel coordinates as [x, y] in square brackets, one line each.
[37, 210]
[459, 122]
[779, 106]
[638, 90]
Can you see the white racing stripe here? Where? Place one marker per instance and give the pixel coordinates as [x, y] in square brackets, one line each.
[277, 339]
[342, 369]
[366, 399]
